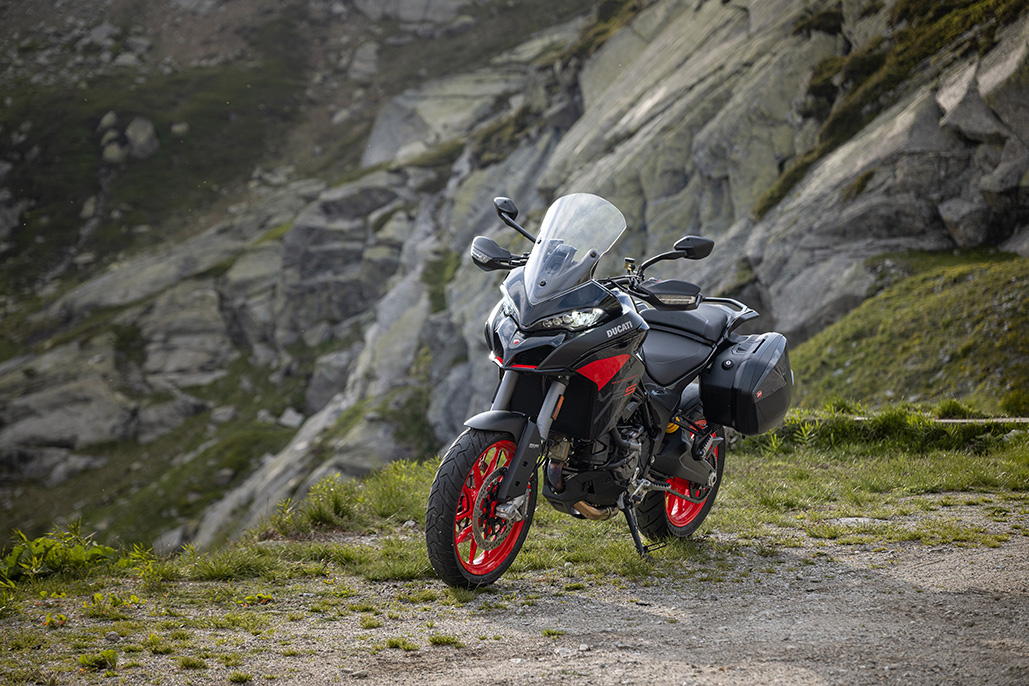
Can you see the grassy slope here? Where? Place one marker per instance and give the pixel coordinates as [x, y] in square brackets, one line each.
[348, 555]
[957, 328]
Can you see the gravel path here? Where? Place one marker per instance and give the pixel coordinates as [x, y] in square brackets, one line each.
[818, 613]
[827, 614]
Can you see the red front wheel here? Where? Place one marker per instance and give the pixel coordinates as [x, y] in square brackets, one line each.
[469, 544]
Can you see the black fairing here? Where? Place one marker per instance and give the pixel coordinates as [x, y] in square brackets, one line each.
[601, 363]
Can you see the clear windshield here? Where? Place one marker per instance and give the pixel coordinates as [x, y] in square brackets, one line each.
[577, 230]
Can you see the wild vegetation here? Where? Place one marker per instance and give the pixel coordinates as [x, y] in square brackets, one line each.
[352, 552]
[951, 325]
[237, 115]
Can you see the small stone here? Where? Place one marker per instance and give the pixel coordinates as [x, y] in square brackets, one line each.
[114, 153]
[88, 208]
[142, 137]
[126, 59]
[291, 418]
[107, 121]
[225, 413]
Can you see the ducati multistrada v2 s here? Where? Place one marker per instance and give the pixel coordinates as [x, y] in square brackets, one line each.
[612, 397]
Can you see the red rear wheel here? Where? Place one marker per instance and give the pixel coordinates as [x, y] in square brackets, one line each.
[662, 515]
[468, 543]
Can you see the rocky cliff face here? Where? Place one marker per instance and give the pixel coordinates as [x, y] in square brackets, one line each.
[347, 314]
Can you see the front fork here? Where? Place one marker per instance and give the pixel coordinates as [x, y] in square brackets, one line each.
[530, 444]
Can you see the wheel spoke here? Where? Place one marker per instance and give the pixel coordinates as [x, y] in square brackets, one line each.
[463, 534]
[497, 453]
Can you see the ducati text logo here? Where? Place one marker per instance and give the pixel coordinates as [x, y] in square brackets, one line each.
[621, 328]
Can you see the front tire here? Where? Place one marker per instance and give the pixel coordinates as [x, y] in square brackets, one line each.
[468, 544]
[663, 515]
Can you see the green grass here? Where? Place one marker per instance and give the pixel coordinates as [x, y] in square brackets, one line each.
[895, 478]
[957, 327]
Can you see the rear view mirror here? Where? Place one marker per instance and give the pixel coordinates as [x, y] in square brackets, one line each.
[488, 256]
[505, 206]
[694, 247]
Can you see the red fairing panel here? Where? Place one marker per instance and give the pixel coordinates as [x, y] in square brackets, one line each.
[602, 371]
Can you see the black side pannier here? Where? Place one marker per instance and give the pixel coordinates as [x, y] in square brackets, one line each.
[748, 385]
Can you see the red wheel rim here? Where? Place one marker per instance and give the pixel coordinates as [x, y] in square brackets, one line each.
[476, 514]
[681, 512]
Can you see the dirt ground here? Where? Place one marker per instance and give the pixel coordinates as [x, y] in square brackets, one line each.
[828, 614]
[817, 613]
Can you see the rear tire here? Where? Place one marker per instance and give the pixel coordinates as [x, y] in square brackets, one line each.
[468, 545]
[663, 515]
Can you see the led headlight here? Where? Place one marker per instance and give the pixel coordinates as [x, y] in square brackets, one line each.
[572, 320]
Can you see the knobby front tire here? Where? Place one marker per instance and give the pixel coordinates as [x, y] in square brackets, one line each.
[468, 545]
[663, 515]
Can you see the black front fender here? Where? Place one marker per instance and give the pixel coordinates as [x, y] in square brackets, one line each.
[499, 420]
[528, 448]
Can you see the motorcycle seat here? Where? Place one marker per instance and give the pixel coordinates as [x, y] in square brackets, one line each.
[707, 321]
[670, 356]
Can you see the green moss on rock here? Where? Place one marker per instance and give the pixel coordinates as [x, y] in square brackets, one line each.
[958, 331]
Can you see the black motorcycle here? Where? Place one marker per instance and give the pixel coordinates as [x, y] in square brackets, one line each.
[617, 388]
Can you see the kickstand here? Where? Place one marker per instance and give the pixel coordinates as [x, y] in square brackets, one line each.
[634, 529]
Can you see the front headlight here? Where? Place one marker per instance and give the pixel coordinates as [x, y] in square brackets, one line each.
[573, 320]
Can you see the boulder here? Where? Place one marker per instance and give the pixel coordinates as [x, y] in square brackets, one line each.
[142, 137]
[411, 11]
[364, 64]
[47, 466]
[439, 111]
[187, 343]
[330, 375]
[75, 414]
[334, 266]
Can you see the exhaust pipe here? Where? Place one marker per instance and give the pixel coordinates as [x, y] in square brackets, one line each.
[594, 513]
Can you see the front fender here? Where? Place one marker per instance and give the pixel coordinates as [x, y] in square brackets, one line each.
[499, 420]
[529, 447]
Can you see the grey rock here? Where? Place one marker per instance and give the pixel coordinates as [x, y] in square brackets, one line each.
[439, 111]
[163, 418]
[967, 222]
[170, 541]
[434, 11]
[48, 466]
[364, 64]
[200, 7]
[104, 34]
[138, 44]
[291, 418]
[225, 413]
[107, 121]
[114, 153]
[142, 137]
[127, 60]
[80, 412]
[187, 340]
[330, 375]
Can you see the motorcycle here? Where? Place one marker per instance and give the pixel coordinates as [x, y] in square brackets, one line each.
[617, 390]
